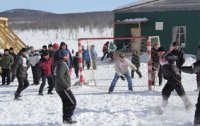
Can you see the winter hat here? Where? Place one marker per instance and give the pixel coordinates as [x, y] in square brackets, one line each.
[45, 53]
[55, 46]
[62, 53]
[175, 44]
[6, 50]
[23, 50]
[44, 47]
[50, 45]
[161, 49]
[11, 48]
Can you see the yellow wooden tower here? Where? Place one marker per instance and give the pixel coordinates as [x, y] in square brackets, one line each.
[8, 38]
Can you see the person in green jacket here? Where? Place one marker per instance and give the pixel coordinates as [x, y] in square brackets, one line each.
[6, 63]
[62, 85]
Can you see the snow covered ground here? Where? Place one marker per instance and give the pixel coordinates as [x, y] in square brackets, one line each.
[94, 106]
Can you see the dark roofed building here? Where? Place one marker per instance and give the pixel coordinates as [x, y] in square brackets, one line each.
[171, 20]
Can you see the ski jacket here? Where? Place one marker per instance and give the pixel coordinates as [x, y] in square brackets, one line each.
[34, 58]
[76, 61]
[181, 60]
[105, 47]
[111, 47]
[169, 68]
[21, 66]
[52, 54]
[46, 66]
[93, 54]
[62, 79]
[86, 55]
[122, 68]
[135, 59]
[6, 61]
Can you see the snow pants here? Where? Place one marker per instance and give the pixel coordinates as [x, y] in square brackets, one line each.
[50, 82]
[36, 74]
[171, 85]
[22, 84]
[5, 76]
[68, 102]
[137, 71]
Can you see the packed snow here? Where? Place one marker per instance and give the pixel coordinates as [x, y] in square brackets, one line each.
[95, 107]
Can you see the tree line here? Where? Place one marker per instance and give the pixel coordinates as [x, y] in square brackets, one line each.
[22, 19]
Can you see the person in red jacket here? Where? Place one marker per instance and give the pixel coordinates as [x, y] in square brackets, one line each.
[46, 64]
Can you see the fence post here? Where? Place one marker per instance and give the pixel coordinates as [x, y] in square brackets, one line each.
[80, 62]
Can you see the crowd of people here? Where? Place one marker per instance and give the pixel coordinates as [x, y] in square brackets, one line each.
[54, 63]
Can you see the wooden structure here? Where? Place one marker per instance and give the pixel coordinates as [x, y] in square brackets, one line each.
[8, 38]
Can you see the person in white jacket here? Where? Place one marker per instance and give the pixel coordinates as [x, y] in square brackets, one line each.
[34, 58]
[121, 68]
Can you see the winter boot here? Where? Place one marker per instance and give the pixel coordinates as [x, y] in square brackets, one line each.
[69, 121]
[17, 97]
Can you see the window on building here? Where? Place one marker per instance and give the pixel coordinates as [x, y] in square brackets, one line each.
[179, 35]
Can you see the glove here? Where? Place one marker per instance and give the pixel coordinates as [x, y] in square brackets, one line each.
[122, 77]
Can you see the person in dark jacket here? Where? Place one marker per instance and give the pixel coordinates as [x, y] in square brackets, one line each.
[135, 59]
[105, 50]
[44, 49]
[171, 73]
[51, 51]
[176, 50]
[20, 71]
[11, 51]
[76, 64]
[194, 68]
[198, 73]
[155, 65]
[46, 69]
[86, 57]
[6, 63]
[63, 84]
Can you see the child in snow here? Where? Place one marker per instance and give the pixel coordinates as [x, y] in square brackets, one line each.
[136, 61]
[121, 68]
[63, 84]
[46, 69]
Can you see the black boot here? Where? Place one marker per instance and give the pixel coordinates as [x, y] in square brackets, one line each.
[17, 97]
[69, 121]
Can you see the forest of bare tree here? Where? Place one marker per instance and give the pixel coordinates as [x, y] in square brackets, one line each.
[22, 19]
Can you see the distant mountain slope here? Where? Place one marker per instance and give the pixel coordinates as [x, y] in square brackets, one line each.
[34, 19]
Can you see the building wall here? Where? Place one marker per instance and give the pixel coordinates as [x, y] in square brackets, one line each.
[190, 19]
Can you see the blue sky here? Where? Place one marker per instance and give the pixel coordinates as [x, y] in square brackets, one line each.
[64, 6]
